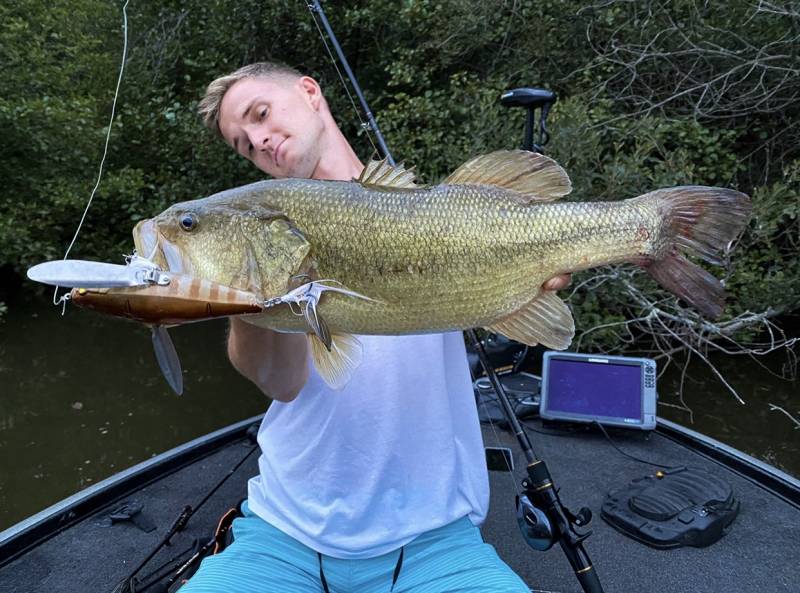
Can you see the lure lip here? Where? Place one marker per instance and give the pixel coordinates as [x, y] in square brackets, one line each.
[77, 273]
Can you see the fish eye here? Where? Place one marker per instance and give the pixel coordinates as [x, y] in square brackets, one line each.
[188, 221]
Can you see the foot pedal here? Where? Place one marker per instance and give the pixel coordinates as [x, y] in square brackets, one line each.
[132, 511]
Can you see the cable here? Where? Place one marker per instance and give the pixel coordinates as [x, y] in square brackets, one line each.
[577, 431]
[571, 432]
[640, 460]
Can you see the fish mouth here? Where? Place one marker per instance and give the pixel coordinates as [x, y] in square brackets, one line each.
[152, 245]
[145, 239]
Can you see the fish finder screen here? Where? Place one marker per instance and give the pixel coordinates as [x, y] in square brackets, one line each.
[595, 389]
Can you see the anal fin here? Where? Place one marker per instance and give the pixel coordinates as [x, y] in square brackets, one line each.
[336, 365]
[544, 320]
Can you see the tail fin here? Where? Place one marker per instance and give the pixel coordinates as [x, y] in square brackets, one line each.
[701, 221]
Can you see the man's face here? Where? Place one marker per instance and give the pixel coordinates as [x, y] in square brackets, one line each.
[275, 123]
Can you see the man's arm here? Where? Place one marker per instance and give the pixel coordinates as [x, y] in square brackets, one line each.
[277, 363]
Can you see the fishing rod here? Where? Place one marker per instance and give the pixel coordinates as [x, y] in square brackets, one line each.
[542, 518]
[316, 9]
[131, 584]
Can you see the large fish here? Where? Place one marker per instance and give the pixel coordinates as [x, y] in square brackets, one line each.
[383, 255]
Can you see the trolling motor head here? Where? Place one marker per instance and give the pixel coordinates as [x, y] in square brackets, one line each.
[532, 99]
[527, 97]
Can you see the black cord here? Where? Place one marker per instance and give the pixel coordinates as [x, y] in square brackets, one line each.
[577, 431]
[520, 401]
[640, 460]
[516, 400]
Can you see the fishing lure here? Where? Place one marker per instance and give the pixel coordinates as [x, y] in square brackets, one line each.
[141, 291]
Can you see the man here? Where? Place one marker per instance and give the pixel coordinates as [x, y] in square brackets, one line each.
[379, 487]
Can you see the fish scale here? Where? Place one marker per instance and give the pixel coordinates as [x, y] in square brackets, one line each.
[490, 253]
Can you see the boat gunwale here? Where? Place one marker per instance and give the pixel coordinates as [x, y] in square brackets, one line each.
[47, 523]
[760, 473]
[54, 519]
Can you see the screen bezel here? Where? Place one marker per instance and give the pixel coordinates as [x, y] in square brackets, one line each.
[548, 414]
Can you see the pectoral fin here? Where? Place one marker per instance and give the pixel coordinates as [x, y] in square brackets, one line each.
[545, 320]
[317, 323]
[336, 365]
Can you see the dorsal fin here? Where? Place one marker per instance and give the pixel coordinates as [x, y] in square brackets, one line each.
[383, 174]
[537, 177]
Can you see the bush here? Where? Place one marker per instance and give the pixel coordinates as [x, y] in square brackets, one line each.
[433, 72]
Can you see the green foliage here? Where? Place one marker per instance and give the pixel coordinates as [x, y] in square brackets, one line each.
[432, 71]
[768, 273]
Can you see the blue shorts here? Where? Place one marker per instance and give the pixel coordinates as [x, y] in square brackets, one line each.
[263, 559]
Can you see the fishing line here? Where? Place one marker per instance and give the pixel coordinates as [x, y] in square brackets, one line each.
[497, 440]
[56, 300]
[364, 126]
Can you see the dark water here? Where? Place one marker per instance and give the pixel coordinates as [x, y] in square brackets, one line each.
[81, 397]
[753, 427]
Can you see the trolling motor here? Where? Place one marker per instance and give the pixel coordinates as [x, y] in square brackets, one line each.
[542, 518]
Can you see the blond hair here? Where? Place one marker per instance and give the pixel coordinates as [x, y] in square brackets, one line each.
[209, 104]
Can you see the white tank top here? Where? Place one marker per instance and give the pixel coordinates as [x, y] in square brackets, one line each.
[360, 472]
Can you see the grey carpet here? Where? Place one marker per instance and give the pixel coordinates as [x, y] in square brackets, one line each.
[759, 554]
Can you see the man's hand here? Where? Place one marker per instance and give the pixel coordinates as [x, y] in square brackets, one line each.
[558, 282]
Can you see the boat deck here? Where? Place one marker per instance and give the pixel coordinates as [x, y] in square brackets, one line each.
[759, 554]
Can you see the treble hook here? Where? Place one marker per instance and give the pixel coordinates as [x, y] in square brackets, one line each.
[307, 297]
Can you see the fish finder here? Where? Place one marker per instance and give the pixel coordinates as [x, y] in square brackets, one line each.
[611, 390]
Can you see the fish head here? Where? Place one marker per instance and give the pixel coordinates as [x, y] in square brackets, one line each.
[244, 246]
